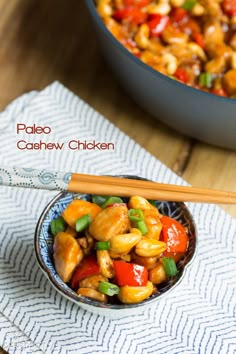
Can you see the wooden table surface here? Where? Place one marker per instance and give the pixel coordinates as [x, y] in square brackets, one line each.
[43, 41]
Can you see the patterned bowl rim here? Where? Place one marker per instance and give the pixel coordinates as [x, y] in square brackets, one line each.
[71, 295]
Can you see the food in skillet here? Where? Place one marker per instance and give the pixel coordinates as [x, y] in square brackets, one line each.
[117, 252]
[192, 41]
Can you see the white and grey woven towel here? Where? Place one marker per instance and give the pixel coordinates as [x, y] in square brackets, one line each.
[197, 317]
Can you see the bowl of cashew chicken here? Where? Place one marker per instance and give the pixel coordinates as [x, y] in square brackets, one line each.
[176, 59]
[114, 256]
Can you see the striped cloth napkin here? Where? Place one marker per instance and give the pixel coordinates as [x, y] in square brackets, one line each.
[196, 317]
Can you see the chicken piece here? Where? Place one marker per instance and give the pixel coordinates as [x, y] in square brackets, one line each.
[219, 50]
[92, 294]
[71, 231]
[213, 33]
[155, 46]
[172, 35]
[150, 58]
[212, 8]
[116, 29]
[66, 254]
[92, 281]
[192, 68]
[229, 81]
[124, 257]
[110, 222]
[147, 262]
[216, 66]
[157, 274]
[82, 241]
[153, 60]
[232, 41]
[86, 243]
[78, 208]
[181, 51]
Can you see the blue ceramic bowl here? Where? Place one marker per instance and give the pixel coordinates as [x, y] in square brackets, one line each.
[201, 115]
[44, 254]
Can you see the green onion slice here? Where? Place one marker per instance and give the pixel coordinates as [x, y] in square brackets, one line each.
[102, 245]
[99, 199]
[152, 202]
[189, 4]
[205, 79]
[82, 223]
[58, 225]
[142, 227]
[111, 200]
[169, 266]
[135, 215]
[108, 288]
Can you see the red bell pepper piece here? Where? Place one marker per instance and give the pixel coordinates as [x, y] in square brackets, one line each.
[181, 75]
[117, 204]
[178, 14]
[229, 7]
[189, 26]
[131, 46]
[132, 14]
[130, 274]
[157, 24]
[198, 38]
[220, 92]
[139, 3]
[87, 267]
[174, 235]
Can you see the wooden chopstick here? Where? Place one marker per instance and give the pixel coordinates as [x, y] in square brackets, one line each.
[105, 185]
[148, 185]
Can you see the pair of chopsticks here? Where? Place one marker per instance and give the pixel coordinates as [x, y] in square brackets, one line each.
[106, 185]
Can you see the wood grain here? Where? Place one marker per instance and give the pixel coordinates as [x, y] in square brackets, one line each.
[43, 41]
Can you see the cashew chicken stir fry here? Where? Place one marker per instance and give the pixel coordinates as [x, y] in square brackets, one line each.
[116, 252]
[192, 41]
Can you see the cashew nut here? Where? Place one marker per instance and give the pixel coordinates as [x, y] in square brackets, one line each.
[177, 3]
[136, 202]
[197, 50]
[135, 294]
[104, 8]
[198, 10]
[170, 62]
[92, 294]
[162, 8]
[123, 243]
[149, 247]
[106, 264]
[153, 222]
[142, 36]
